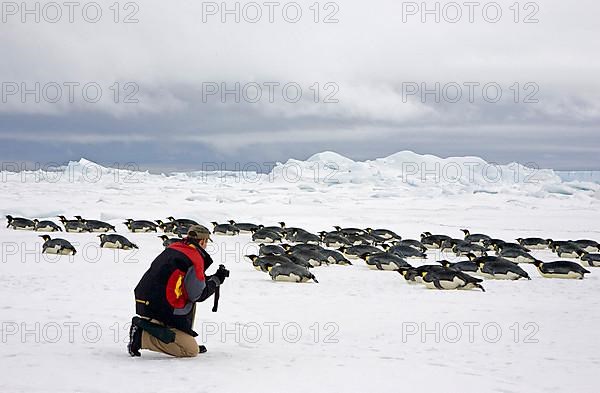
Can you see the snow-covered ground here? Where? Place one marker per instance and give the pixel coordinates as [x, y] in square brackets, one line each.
[64, 319]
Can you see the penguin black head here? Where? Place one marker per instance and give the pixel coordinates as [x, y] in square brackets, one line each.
[286, 246]
[102, 236]
[342, 249]
[62, 218]
[163, 237]
[45, 237]
[231, 222]
[282, 224]
[466, 232]
[9, 218]
[471, 256]
[171, 218]
[79, 218]
[35, 220]
[251, 257]
[444, 263]
[385, 246]
[365, 256]
[337, 227]
[159, 222]
[214, 223]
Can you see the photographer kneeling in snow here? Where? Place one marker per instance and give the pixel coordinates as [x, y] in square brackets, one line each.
[166, 297]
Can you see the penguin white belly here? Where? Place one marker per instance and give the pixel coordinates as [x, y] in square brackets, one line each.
[314, 262]
[507, 276]
[431, 246]
[389, 267]
[65, 251]
[291, 278]
[519, 259]
[591, 263]
[45, 229]
[52, 250]
[568, 255]
[445, 284]
[116, 244]
[98, 230]
[570, 275]
[416, 257]
[591, 249]
[537, 246]
[23, 228]
[266, 240]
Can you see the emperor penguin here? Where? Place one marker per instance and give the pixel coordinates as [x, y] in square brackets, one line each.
[291, 272]
[450, 279]
[116, 241]
[561, 269]
[57, 246]
[20, 223]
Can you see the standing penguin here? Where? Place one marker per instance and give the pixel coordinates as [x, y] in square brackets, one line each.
[57, 246]
[561, 269]
[116, 241]
[20, 223]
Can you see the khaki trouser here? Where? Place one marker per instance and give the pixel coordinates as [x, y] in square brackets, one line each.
[184, 346]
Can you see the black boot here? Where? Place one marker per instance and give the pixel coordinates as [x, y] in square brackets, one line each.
[202, 349]
[135, 338]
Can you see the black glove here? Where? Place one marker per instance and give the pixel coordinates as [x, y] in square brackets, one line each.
[222, 273]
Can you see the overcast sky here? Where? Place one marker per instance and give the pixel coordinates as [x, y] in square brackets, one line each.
[369, 68]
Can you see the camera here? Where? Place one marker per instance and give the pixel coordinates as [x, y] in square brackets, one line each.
[223, 269]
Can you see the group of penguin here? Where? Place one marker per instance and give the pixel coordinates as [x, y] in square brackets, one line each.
[79, 225]
[383, 249]
[299, 250]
